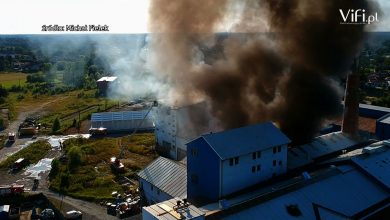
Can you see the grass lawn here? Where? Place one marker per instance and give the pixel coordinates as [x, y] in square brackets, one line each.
[60, 105]
[91, 177]
[32, 153]
[9, 79]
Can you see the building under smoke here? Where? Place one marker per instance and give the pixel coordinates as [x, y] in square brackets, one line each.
[175, 127]
[104, 83]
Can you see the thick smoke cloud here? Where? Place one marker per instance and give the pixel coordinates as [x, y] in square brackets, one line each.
[288, 75]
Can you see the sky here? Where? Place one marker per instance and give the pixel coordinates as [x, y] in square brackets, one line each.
[122, 16]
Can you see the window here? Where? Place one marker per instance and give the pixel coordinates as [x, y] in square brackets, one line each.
[279, 148]
[258, 167]
[253, 169]
[256, 155]
[274, 150]
[236, 160]
[280, 162]
[274, 163]
[233, 161]
[194, 152]
[194, 178]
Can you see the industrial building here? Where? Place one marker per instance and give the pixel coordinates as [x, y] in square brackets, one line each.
[351, 185]
[174, 127]
[383, 127]
[122, 121]
[163, 179]
[219, 164]
[104, 83]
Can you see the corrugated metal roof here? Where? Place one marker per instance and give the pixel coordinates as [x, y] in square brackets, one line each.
[191, 212]
[385, 119]
[346, 193]
[374, 107]
[320, 146]
[376, 164]
[245, 140]
[107, 78]
[119, 116]
[167, 175]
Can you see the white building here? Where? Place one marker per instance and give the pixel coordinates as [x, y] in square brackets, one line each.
[122, 121]
[163, 179]
[176, 126]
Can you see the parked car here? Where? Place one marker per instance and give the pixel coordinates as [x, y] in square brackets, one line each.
[11, 137]
[73, 214]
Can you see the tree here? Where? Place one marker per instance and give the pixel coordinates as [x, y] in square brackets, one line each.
[56, 125]
[1, 123]
[74, 123]
[55, 167]
[3, 91]
[74, 154]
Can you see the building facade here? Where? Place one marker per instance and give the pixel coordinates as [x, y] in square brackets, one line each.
[219, 164]
[161, 180]
[175, 128]
[123, 121]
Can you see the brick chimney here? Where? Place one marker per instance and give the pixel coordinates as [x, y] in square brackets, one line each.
[351, 102]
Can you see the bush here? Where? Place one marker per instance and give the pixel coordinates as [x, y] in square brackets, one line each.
[55, 168]
[74, 155]
[56, 125]
[1, 123]
[20, 97]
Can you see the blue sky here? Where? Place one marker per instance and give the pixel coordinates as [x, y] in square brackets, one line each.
[123, 16]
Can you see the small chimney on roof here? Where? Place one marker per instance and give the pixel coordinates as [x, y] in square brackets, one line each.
[351, 102]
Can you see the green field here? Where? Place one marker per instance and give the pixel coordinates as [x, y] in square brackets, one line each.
[12, 79]
[89, 173]
[32, 154]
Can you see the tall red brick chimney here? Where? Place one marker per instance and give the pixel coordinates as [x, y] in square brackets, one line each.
[351, 102]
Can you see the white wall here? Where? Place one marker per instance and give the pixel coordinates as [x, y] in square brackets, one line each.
[240, 176]
[152, 196]
[166, 129]
[122, 125]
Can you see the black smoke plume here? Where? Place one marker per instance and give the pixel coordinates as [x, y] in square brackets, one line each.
[288, 75]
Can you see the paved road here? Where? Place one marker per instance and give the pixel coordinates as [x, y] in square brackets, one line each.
[14, 126]
[90, 210]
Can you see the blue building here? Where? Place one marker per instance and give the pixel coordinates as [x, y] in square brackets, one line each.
[382, 129]
[373, 111]
[352, 185]
[163, 179]
[219, 164]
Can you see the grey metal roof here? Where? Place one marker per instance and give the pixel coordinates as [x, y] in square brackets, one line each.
[245, 140]
[374, 107]
[119, 116]
[167, 175]
[159, 212]
[385, 119]
[320, 146]
[377, 164]
[346, 191]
